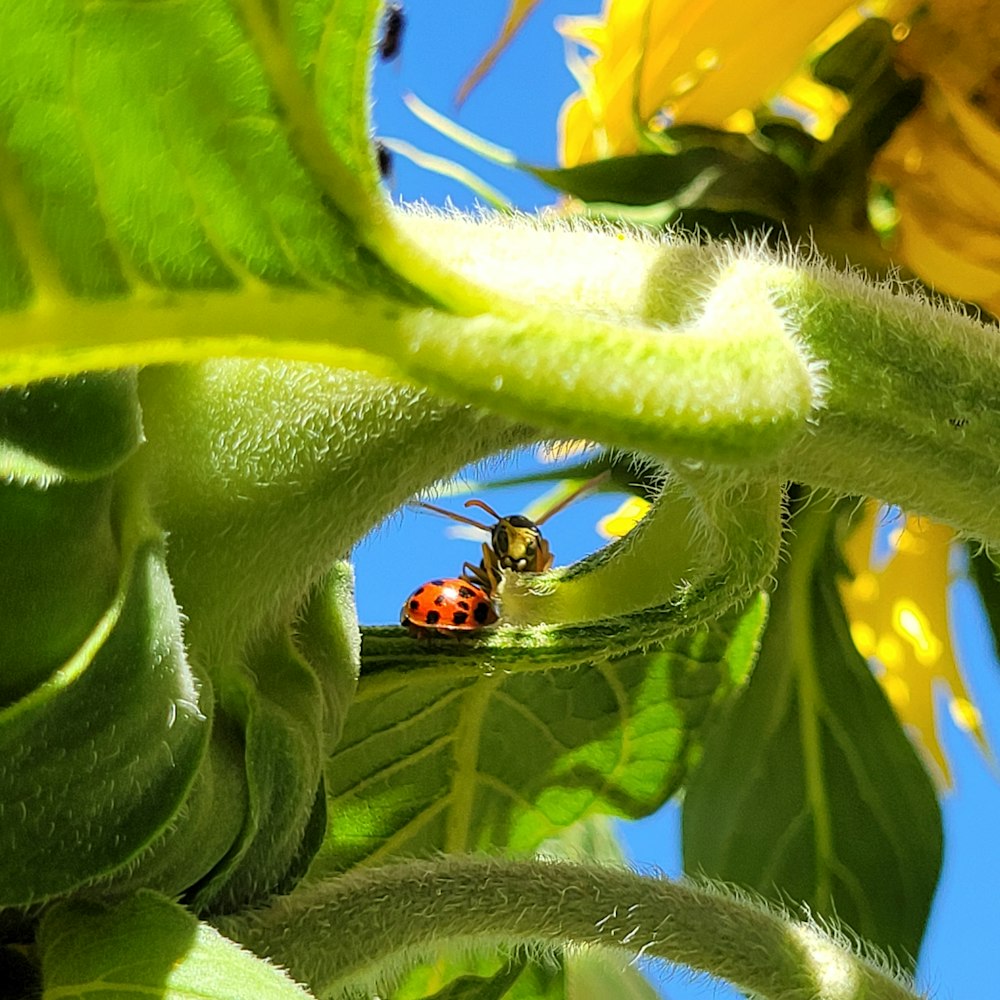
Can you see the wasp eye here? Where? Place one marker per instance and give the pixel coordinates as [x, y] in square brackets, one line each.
[501, 543]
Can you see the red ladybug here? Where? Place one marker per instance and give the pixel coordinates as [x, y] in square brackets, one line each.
[449, 605]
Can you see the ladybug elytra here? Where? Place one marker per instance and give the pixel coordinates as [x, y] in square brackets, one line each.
[449, 605]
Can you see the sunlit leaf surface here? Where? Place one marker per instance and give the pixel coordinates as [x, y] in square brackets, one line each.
[809, 788]
[509, 761]
[150, 946]
[199, 150]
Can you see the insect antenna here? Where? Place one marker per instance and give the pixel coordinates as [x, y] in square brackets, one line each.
[456, 517]
[567, 500]
[482, 505]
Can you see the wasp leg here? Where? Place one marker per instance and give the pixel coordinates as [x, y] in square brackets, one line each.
[545, 556]
[478, 575]
[491, 567]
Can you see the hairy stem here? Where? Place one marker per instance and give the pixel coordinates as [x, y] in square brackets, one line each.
[354, 930]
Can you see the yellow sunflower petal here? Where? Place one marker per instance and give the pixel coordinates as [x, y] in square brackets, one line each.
[948, 201]
[943, 163]
[816, 106]
[699, 61]
[623, 520]
[977, 129]
[955, 43]
[899, 617]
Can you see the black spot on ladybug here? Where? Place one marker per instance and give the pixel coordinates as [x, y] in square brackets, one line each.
[414, 605]
[464, 605]
[482, 612]
[418, 591]
[466, 592]
[440, 600]
[435, 583]
[459, 618]
[433, 617]
[393, 27]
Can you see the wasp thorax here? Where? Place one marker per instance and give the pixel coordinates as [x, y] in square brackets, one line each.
[516, 542]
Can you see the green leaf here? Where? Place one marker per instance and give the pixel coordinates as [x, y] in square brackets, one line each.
[986, 576]
[294, 696]
[244, 217]
[708, 171]
[282, 717]
[77, 428]
[591, 974]
[221, 148]
[61, 442]
[204, 828]
[857, 59]
[174, 161]
[327, 635]
[574, 975]
[429, 762]
[809, 790]
[148, 946]
[96, 762]
[519, 978]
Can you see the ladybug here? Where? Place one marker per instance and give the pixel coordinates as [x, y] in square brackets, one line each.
[393, 27]
[449, 606]
[516, 542]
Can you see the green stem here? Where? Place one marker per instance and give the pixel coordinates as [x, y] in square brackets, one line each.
[910, 412]
[361, 927]
[683, 352]
[707, 544]
[700, 552]
[892, 395]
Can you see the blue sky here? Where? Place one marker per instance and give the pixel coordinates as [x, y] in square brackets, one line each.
[516, 106]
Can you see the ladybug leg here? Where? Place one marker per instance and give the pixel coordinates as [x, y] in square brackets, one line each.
[545, 556]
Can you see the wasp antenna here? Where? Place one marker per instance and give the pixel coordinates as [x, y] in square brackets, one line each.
[578, 492]
[453, 516]
[483, 506]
